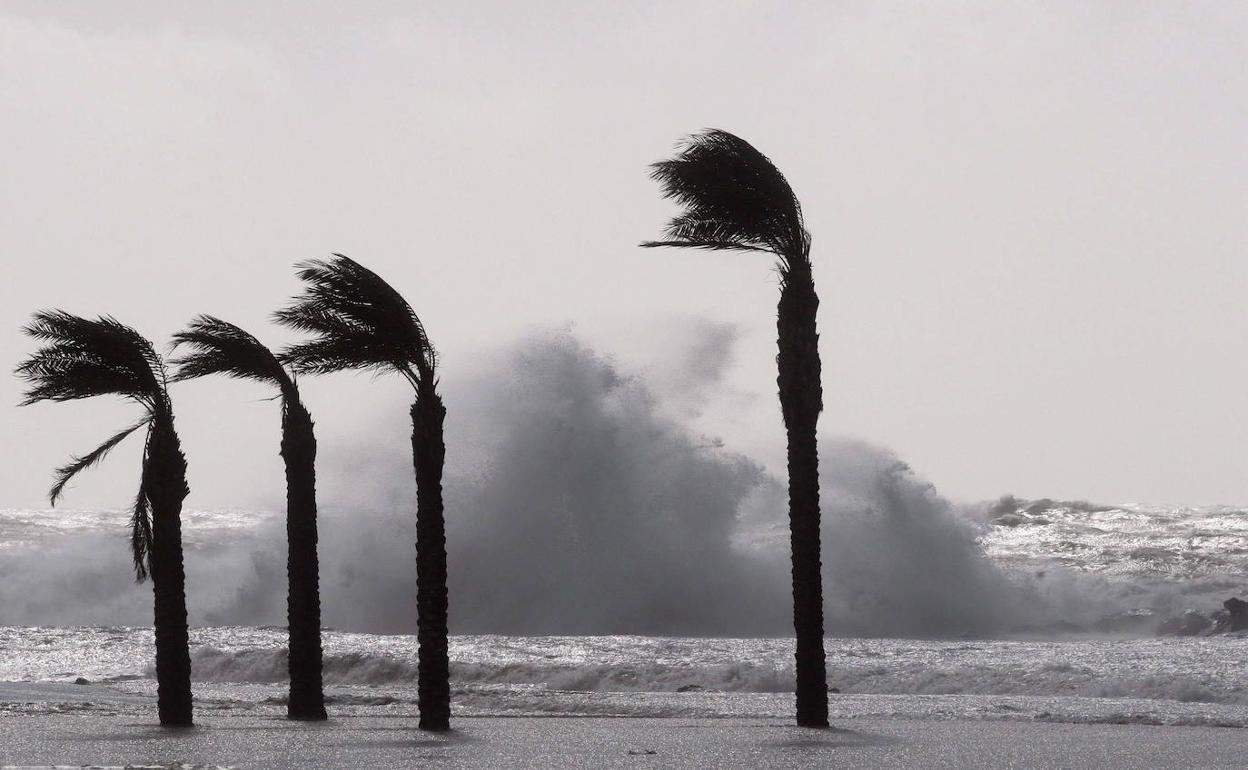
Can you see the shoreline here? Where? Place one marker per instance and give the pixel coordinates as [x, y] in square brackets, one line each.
[59, 725]
[591, 742]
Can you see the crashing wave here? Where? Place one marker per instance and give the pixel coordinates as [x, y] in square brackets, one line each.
[269, 666]
[1046, 678]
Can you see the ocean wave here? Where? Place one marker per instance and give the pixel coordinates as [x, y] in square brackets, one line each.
[632, 677]
[1050, 678]
[1150, 718]
[1044, 678]
[269, 666]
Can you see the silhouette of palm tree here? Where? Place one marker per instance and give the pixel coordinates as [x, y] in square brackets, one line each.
[734, 199]
[218, 347]
[82, 358]
[358, 321]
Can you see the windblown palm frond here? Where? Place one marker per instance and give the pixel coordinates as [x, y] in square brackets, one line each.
[85, 358]
[78, 464]
[141, 532]
[733, 199]
[358, 321]
[218, 347]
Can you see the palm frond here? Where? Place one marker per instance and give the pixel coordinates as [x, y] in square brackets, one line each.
[141, 533]
[85, 357]
[733, 198]
[90, 357]
[358, 321]
[703, 244]
[219, 347]
[328, 354]
[78, 464]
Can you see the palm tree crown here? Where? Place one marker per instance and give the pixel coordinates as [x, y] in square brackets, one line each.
[220, 347]
[83, 358]
[733, 199]
[358, 321]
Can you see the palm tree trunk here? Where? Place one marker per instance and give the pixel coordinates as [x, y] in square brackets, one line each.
[801, 400]
[164, 480]
[303, 601]
[428, 454]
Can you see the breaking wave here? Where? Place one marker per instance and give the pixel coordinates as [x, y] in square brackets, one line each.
[269, 666]
[577, 504]
[1197, 672]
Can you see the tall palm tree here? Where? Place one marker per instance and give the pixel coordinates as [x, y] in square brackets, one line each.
[82, 358]
[359, 322]
[218, 347]
[734, 199]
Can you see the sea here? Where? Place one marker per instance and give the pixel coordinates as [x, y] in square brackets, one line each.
[1118, 667]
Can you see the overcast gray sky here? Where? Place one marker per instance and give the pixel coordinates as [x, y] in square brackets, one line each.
[1029, 219]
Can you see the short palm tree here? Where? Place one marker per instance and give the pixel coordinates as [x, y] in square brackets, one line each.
[218, 347]
[734, 199]
[357, 321]
[82, 358]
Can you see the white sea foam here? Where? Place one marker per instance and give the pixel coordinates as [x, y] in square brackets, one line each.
[1146, 681]
[1199, 670]
[1166, 558]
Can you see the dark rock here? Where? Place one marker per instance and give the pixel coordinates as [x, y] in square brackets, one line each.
[1237, 609]
[689, 688]
[1234, 617]
[82, 680]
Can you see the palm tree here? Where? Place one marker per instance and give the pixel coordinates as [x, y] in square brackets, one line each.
[84, 358]
[359, 322]
[734, 199]
[223, 348]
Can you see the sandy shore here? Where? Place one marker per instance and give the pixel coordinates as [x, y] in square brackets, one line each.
[489, 742]
[55, 724]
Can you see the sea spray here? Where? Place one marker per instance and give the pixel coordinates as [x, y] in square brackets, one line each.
[578, 504]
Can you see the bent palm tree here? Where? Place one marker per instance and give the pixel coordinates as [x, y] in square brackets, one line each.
[218, 347]
[359, 322]
[84, 358]
[734, 199]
